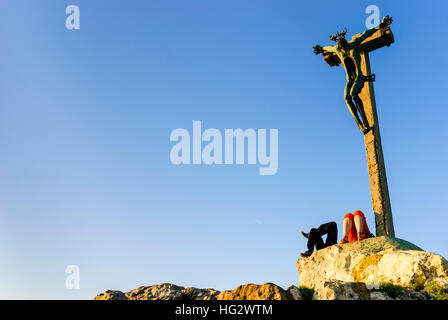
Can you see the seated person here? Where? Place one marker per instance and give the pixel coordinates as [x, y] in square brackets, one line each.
[315, 237]
[355, 227]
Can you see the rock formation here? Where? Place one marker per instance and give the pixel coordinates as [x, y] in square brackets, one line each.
[267, 291]
[164, 291]
[381, 268]
[374, 261]
[167, 291]
[340, 290]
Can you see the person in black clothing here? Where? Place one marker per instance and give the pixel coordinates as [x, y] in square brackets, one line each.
[315, 237]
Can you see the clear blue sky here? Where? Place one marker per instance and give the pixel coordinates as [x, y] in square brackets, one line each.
[85, 119]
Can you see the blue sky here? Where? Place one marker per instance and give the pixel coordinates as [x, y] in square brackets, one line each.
[86, 115]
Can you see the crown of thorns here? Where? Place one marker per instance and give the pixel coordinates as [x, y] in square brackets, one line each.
[339, 35]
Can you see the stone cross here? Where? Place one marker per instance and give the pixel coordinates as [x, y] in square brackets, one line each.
[375, 160]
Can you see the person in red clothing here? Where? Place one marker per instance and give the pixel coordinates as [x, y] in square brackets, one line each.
[355, 227]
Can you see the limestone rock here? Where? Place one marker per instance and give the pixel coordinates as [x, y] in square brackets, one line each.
[267, 291]
[373, 261]
[341, 290]
[294, 293]
[164, 291]
[379, 296]
[200, 294]
[168, 291]
[111, 295]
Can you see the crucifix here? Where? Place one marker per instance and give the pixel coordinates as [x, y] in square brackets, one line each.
[360, 99]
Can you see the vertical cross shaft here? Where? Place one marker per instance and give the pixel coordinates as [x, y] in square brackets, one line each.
[374, 151]
[375, 161]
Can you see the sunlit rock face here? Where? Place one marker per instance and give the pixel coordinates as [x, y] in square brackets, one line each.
[164, 291]
[168, 291]
[374, 261]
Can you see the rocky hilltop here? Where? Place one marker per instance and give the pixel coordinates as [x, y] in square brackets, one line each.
[375, 268]
[381, 268]
[168, 291]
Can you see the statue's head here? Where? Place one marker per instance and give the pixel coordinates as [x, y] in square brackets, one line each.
[342, 43]
[339, 38]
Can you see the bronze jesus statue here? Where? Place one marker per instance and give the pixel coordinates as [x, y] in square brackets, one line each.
[349, 52]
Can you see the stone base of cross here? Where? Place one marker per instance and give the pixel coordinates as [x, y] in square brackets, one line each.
[375, 160]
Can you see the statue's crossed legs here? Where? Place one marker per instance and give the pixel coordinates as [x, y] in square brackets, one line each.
[352, 90]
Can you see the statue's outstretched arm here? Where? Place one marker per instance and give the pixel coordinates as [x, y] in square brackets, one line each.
[366, 34]
[329, 49]
[318, 49]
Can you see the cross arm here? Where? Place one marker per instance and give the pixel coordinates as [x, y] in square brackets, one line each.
[380, 38]
[366, 34]
[377, 39]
